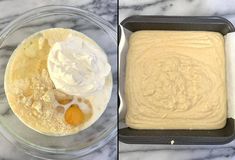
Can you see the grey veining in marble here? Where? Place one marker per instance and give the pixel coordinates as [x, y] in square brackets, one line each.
[186, 8]
[9, 10]
[175, 7]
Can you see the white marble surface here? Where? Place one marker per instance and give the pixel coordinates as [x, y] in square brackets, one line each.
[10, 9]
[177, 7]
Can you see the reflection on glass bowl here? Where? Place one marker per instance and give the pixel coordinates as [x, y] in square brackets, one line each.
[88, 140]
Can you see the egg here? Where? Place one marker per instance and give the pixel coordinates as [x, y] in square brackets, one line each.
[74, 115]
[76, 110]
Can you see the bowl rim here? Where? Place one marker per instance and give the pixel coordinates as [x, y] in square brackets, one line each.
[15, 24]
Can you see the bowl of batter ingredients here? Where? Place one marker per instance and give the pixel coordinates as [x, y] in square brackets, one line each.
[58, 66]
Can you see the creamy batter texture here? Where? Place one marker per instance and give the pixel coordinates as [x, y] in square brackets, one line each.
[176, 80]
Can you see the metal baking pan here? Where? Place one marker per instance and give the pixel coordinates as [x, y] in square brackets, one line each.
[185, 137]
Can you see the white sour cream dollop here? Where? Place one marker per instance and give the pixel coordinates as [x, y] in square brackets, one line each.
[78, 66]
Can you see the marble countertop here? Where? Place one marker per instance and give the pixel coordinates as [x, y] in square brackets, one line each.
[10, 9]
[188, 8]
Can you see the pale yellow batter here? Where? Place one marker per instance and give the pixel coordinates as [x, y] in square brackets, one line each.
[176, 80]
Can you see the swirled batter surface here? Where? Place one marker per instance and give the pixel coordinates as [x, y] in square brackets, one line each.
[176, 80]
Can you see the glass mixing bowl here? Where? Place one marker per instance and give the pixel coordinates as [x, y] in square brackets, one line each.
[88, 140]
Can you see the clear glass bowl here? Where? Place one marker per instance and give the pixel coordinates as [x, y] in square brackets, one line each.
[88, 140]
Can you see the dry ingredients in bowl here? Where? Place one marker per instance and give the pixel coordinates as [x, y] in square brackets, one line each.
[58, 81]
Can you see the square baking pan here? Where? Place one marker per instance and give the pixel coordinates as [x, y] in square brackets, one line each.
[185, 137]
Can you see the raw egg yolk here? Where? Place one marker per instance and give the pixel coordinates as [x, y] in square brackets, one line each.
[74, 115]
[64, 101]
